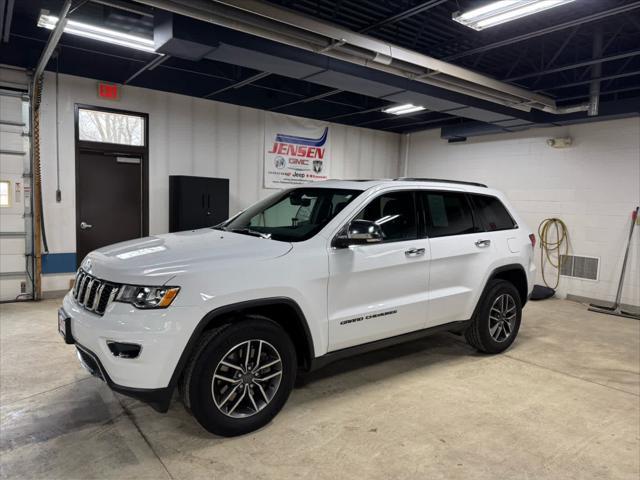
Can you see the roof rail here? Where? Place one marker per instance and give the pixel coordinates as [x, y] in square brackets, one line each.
[439, 180]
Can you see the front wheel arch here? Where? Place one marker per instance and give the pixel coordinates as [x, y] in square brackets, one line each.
[233, 347]
[286, 311]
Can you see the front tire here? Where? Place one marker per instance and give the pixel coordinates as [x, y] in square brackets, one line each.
[496, 322]
[240, 376]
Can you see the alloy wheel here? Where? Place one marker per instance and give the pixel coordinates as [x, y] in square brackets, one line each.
[247, 378]
[502, 317]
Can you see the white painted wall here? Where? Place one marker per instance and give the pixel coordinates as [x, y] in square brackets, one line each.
[187, 136]
[593, 186]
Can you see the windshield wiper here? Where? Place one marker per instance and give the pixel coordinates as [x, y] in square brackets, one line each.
[248, 231]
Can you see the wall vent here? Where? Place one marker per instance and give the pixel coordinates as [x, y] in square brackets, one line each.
[579, 267]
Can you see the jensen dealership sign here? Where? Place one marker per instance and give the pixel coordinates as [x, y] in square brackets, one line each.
[296, 151]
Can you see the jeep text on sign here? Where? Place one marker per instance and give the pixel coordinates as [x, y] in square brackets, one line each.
[296, 151]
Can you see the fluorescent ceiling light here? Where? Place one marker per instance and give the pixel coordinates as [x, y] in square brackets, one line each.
[496, 13]
[403, 109]
[98, 33]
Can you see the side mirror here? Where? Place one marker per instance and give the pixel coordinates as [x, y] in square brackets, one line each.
[359, 232]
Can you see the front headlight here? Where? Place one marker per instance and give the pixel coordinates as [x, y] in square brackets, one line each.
[147, 297]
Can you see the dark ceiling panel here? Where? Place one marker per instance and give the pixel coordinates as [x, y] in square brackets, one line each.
[429, 31]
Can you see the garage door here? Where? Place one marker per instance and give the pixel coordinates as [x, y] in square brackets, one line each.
[15, 197]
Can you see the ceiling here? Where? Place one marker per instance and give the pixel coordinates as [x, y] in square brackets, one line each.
[550, 53]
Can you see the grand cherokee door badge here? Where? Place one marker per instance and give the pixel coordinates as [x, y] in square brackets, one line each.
[368, 317]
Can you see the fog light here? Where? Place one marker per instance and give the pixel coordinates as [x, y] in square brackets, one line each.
[124, 350]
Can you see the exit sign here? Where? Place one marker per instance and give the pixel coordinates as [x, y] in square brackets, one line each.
[108, 91]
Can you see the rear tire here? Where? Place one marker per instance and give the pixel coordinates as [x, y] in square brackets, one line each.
[496, 322]
[240, 376]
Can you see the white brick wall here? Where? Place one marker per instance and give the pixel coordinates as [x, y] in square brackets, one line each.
[593, 186]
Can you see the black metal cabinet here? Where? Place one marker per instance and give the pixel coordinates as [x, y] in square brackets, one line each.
[197, 202]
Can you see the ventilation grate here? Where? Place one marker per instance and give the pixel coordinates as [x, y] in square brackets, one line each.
[579, 267]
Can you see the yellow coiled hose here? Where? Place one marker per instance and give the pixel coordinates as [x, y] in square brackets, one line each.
[553, 247]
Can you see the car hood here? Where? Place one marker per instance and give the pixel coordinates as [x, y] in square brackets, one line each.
[157, 259]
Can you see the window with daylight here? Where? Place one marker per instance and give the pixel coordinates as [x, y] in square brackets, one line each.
[4, 193]
[110, 127]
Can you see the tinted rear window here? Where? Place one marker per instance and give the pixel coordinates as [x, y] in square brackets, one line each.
[449, 213]
[492, 214]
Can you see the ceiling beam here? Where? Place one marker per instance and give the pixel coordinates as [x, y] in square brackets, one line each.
[620, 69]
[608, 92]
[308, 99]
[359, 112]
[239, 84]
[393, 118]
[572, 66]
[610, 40]
[3, 7]
[423, 7]
[559, 51]
[127, 6]
[388, 21]
[52, 42]
[544, 31]
[184, 70]
[77, 6]
[523, 53]
[5, 22]
[149, 66]
[586, 82]
[422, 122]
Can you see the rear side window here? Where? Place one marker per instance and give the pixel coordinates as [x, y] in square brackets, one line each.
[492, 214]
[449, 213]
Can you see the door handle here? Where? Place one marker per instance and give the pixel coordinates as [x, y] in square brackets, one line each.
[414, 252]
[483, 243]
[85, 226]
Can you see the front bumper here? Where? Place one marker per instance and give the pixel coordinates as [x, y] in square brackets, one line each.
[162, 334]
[158, 398]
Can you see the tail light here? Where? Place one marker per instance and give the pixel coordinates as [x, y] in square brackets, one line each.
[532, 237]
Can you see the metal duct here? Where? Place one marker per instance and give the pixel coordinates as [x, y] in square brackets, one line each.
[596, 73]
[284, 26]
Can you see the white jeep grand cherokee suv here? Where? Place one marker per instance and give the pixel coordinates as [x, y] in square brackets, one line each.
[230, 314]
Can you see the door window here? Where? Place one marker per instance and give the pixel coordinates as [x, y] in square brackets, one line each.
[110, 127]
[449, 213]
[395, 212]
[492, 213]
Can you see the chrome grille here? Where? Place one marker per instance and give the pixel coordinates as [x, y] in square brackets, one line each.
[92, 293]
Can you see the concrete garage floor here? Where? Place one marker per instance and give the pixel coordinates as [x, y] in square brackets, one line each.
[562, 403]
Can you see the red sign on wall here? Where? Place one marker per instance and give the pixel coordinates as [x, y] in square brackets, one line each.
[108, 91]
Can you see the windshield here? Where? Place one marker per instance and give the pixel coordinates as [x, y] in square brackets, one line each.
[293, 215]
